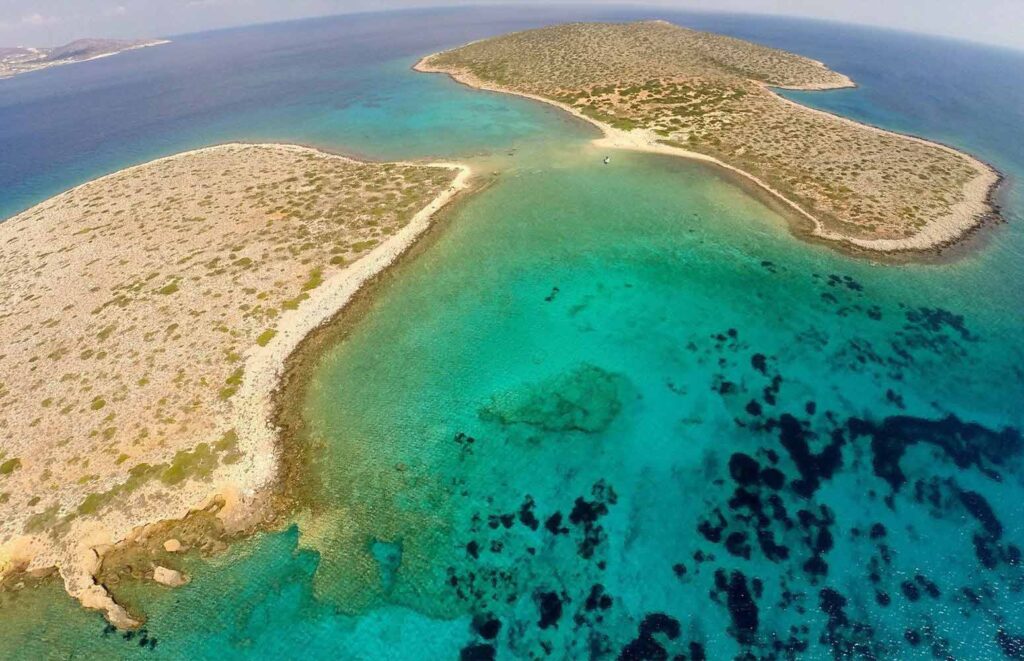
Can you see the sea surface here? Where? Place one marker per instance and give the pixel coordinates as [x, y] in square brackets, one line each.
[608, 411]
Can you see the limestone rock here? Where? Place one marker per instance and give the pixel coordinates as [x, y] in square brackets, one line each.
[169, 577]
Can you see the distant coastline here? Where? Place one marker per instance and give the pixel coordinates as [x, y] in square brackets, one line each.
[37, 59]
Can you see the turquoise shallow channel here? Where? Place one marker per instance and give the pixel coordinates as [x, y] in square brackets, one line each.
[622, 411]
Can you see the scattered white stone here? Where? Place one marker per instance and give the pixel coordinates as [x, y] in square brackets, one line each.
[169, 577]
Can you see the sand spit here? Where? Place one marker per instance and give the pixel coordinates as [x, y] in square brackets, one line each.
[954, 211]
[149, 315]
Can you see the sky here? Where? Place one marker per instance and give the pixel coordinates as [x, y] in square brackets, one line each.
[54, 22]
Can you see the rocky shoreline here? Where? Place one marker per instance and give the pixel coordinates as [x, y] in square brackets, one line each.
[239, 496]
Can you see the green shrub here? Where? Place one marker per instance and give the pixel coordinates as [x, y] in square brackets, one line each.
[265, 337]
[10, 466]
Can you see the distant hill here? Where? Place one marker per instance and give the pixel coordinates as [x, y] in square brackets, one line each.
[17, 60]
[8, 52]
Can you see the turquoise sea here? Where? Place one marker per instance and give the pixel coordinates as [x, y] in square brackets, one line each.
[609, 411]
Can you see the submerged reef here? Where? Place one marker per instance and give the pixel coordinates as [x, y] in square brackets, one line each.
[775, 524]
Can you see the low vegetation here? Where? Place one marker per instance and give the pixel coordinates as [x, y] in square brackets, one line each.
[129, 307]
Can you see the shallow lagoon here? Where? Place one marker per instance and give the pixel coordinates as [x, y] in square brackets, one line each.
[621, 407]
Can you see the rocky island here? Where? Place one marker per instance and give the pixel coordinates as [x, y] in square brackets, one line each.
[148, 316]
[14, 61]
[658, 87]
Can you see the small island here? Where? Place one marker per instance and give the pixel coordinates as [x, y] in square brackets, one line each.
[148, 316]
[654, 86]
[14, 61]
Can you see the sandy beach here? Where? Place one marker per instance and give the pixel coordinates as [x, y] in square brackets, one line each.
[965, 215]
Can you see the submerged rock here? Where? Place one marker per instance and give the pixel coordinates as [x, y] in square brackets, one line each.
[172, 578]
[585, 399]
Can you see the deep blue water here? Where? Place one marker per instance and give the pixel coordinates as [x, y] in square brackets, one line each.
[319, 81]
[340, 83]
[643, 350]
